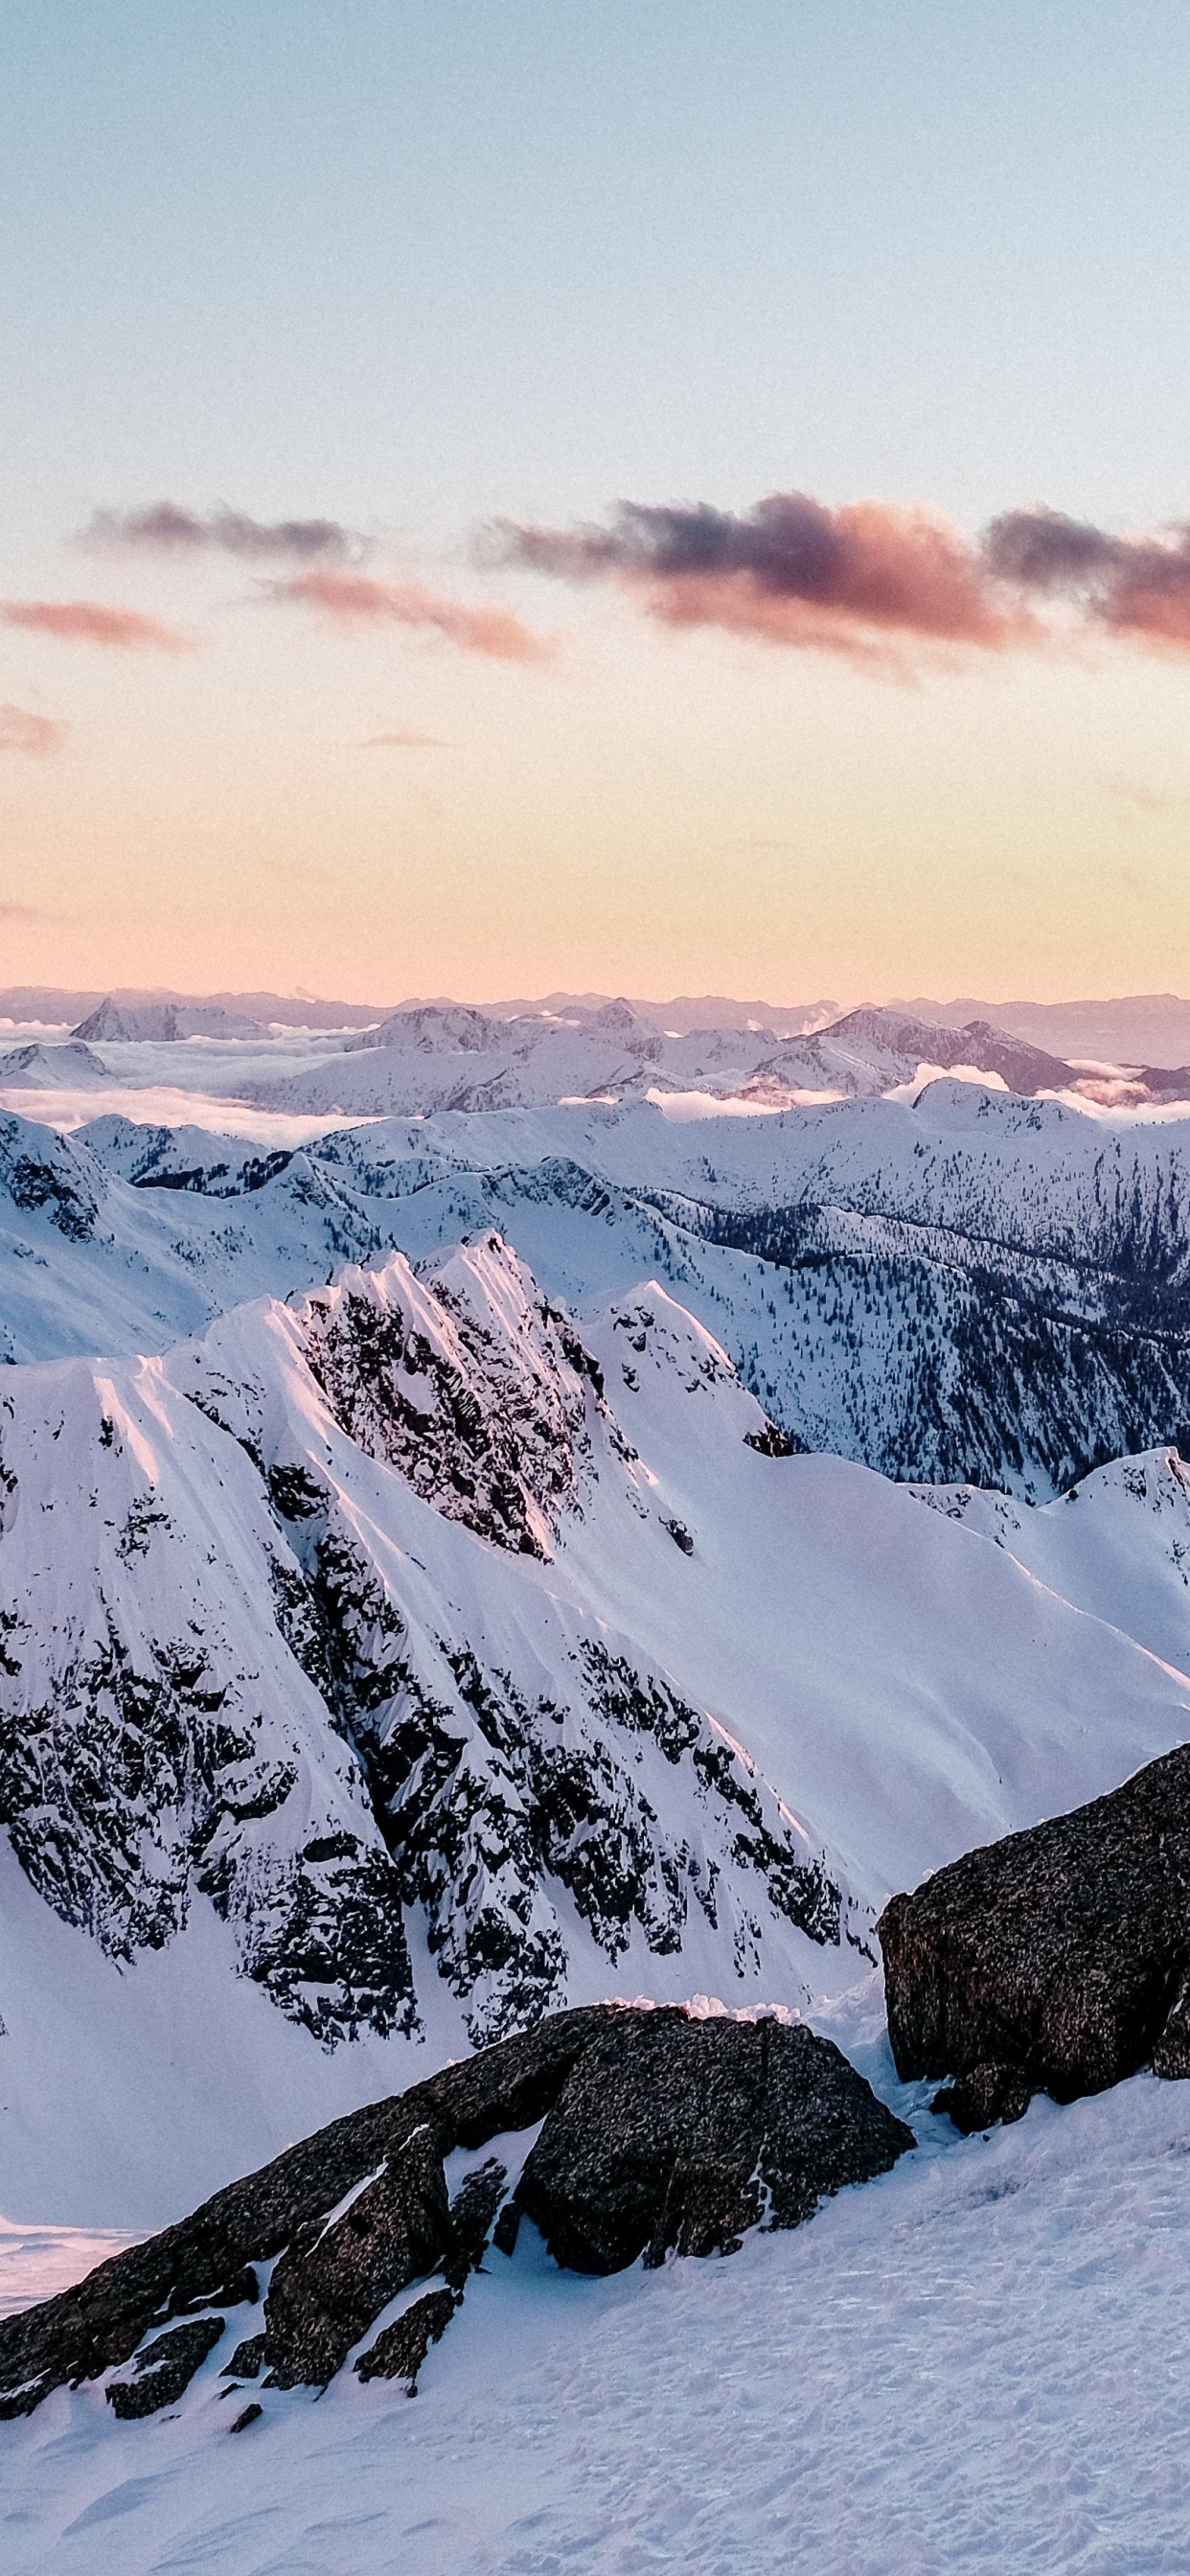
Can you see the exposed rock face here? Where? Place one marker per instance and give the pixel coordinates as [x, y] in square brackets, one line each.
[1054, 1961]
[339, 2273]
[246, 1661]
[672, 2134]
[50, 1173]
[662, 2132]
[165, 2368]
[472, 1389]
[399, 2352]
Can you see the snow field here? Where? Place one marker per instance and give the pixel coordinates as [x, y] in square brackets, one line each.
[976, 2364]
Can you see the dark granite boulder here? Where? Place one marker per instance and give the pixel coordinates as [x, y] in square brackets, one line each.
[399, 2352]
[823, 2126]
[164, 2370]
[99, 2321]
[660, 2133]
[989, 2092]
[1054, 1961]
[339, 2273]
[676, 2135]
[471, 2214]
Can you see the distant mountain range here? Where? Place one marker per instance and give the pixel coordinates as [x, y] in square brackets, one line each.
[432, 1056]
[1138, 1029]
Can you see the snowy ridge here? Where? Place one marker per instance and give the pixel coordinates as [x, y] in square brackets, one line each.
[272, 1650]
[968, 1286]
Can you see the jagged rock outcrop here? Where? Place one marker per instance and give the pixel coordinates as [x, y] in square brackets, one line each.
[677, 2135]
[275, 1641]
[165, 2368]
[337, 2274]
[1054, 1961]
[662, 2131]
[472, 1387]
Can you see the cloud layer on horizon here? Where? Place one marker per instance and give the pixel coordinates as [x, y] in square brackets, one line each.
[351, 600]
[880, 585]
[164, 528]
[90, 621]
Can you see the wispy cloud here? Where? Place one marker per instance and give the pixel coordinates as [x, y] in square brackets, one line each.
[88, 621]
[164, 528]
[863, 581]
[1151, 800]
[1135, 587]
[22, 912]
[38, 737]
[351, 601]
[403, 738]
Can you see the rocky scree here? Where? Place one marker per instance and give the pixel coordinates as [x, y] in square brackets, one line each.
[661, 2132]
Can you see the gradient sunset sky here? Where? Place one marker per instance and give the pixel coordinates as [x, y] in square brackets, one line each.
[636, 494]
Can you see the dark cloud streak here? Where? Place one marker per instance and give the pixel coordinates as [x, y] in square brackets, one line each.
[165, 528]
[1135, 587]
[1044, 550]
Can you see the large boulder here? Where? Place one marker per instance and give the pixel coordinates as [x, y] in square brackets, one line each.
[1054, 1961]
[661, 2132]
[100, 2320]
[337, 2275]
[676, 2135]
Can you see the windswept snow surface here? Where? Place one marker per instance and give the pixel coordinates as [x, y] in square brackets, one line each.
[977, 2364]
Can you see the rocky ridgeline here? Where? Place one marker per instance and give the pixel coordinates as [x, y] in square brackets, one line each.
[1055, 1961]
[246, 1660]
[473, 1387]
[661, 2133]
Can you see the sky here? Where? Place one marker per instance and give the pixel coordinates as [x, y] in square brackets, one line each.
[646, 495]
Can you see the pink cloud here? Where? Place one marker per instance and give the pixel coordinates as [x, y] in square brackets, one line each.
[351, 600]
[866, 580]
[37, 736]
[1136, 588]
[88, 621]
[880, 585]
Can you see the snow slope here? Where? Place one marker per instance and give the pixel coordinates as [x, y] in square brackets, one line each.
[391, 1665]
[977, 2363]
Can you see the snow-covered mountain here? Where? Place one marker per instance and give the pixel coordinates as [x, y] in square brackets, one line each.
[165, 1022]
[443, 1057]
[38, 1067]
[278, 1645]
[438, 1056]
[961, 1285]
[391, 1664]
[465, 1586]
